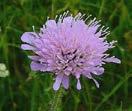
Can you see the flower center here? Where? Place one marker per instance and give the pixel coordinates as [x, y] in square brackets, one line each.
[69, 62]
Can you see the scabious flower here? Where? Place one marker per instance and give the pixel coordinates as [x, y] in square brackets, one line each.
[67, 46]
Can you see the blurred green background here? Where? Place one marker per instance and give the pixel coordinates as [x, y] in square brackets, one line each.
[25, 90]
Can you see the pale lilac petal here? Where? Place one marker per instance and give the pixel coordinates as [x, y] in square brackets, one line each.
[28, 37]
[90, 77]
[98, 71]
[87, 74]
[36, 66]
[68, 20]
[65, 82]
[93, 29]
[96, 83]
[78, 84]
[51, 24]
[112, 59]
[57, 82]
[34, 58]
[27, 47]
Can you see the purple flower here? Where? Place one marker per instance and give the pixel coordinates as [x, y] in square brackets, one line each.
[68, 47]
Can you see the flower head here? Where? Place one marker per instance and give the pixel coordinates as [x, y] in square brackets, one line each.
[68, 46]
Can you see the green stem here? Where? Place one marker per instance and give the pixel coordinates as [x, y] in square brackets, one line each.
[55, 104]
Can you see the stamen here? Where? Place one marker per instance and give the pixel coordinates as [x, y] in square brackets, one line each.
[87, 18]
[82, 16]
[75, 51]
[33, 28]
[77, 17]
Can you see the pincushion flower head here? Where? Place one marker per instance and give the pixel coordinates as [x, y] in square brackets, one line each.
[67, 46]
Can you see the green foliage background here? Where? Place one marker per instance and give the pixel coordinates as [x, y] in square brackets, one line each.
[25, 90]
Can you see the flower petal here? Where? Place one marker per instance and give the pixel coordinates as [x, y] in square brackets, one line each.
[98, 70]
[68, 20]
[34, 58]
[36, 66]
[96, 82]
[51, 24]
[65, 81]
[112, 59]
[57, 82]
[27, 47]
[28, 37]
[78, 84]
